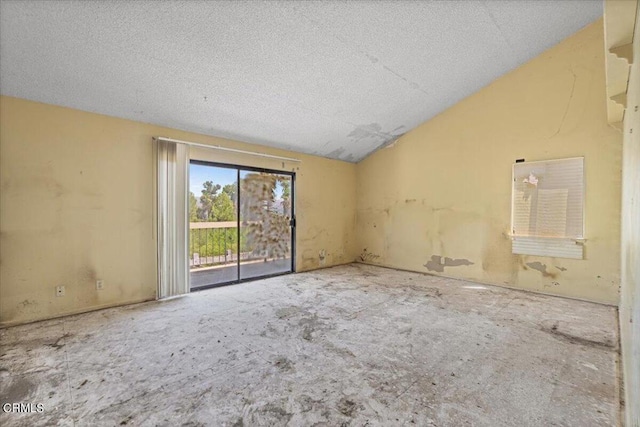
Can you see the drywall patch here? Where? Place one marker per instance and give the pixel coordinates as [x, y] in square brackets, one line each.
[542, 268]
[437, 263]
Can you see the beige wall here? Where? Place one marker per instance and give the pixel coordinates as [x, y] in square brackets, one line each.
[76, 205]
[76, 202]
[444, 188]
[630, 286]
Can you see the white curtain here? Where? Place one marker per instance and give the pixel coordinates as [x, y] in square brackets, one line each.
[172, 178]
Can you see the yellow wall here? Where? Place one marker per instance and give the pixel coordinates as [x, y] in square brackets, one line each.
[76, 201]
[76, 205]
[630, 286]
[444, 189]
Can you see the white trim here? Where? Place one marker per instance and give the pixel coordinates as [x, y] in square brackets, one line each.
[554, 247]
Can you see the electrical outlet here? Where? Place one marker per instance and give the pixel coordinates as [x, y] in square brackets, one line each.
[99, 285]
[60, 291]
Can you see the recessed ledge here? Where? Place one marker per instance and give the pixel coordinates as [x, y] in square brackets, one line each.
[624, 51]
[620, 98]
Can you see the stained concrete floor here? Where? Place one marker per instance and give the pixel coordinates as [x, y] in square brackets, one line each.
[351, 345]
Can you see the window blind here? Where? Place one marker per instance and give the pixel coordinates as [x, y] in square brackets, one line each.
[547, 209]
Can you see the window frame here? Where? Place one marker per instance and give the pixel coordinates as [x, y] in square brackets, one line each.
[551, 246]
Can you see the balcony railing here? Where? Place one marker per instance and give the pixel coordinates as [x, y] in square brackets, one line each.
[216, 243]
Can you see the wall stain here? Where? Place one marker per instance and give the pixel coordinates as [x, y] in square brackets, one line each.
[497, 258]
[310, 259]
[88, 274]
[26, 307]
[542, 268]
[26, 303]
[436, 264]
[309, 264]
[368, 256]
[561, 268]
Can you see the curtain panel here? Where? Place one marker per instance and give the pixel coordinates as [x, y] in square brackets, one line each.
[172, 178]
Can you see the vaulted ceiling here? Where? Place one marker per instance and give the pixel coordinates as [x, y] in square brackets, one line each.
[336, 79]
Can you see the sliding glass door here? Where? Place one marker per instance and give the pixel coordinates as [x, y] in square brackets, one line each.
[265, 223]
[213, 224]
[241, 223]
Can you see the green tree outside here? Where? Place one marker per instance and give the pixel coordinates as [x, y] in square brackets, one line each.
[265, 227]
[213, 207]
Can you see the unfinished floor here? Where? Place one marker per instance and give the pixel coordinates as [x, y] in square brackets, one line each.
[351, 345]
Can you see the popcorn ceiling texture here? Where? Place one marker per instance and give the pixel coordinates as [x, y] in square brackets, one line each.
[333, 79]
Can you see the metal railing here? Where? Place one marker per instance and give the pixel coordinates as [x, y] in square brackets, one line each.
[216, 243]
[212, 243]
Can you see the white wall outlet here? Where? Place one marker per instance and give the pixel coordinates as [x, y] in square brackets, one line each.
[60, 291]
[100, 284]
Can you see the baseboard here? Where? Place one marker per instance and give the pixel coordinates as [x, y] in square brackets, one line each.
[497, 285]
[9, 324]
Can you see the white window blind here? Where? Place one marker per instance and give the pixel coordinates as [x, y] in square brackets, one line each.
[172, 179]
[547, 208]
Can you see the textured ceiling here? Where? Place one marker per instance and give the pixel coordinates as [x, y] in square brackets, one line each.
[337, 79]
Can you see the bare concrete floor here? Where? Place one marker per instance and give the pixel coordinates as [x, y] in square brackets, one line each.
[351, 345]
